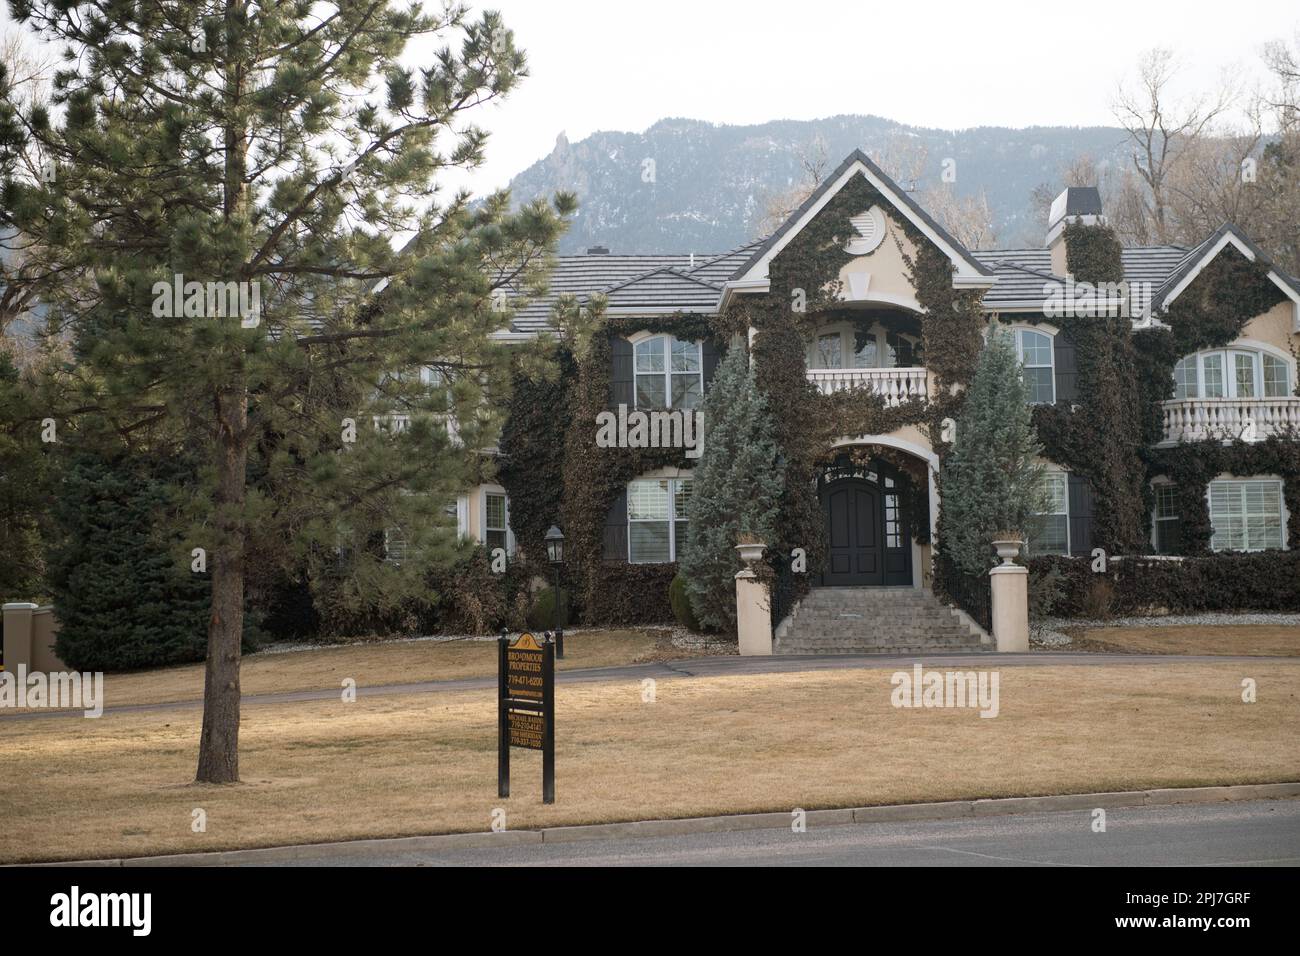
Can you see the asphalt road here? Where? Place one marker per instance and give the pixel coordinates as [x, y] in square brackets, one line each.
[1254, 833]
[708, 667]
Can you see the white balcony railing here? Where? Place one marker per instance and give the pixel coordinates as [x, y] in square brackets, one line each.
[1251, 419]
[896, 385]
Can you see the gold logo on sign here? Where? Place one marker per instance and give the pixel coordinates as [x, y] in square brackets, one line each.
[525, 642]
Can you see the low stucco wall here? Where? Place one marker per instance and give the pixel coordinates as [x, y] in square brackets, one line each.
[29, 633]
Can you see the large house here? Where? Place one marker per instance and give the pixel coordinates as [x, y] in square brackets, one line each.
[1164, 381]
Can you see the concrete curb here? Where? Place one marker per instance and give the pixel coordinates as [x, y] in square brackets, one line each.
[949, 810]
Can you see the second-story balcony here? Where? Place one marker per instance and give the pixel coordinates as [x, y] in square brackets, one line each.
[872, 354]
[895, 385]
[1225, 419]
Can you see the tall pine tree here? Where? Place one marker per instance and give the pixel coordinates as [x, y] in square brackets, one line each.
[270, 154]
[737, 484]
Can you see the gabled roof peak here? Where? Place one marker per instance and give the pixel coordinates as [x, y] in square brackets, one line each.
[857, 162]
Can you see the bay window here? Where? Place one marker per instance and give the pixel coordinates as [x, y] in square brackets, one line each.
[1232, 373]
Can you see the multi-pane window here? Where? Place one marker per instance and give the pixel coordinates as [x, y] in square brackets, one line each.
[1277, 378]
[1186, 383]
[893, 523]
[495, 522]
[1052, 532]
[1212, 376]
[1232, 373]
[848, 346]
[669, 373]
[1166, 519]
[829, 351]
[867, 354]
[1246, 514]
[1034, 349]
[656, 519]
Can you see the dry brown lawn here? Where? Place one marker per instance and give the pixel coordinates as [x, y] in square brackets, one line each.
[374, 664]
[1266, 640]
[426, 763]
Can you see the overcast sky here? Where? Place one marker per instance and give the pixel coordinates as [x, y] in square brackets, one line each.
[620, 65]
[623, 64]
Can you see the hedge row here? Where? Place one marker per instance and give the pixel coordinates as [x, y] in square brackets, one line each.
[1263, 581]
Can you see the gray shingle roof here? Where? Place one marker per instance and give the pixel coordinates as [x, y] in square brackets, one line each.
[1022, 274]
[665, 289]
[656, 283]
[582, 275]
[669, 283]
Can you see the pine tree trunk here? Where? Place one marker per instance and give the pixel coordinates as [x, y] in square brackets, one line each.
[219, 742]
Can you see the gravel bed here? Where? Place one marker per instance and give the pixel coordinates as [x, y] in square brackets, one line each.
[292, 647]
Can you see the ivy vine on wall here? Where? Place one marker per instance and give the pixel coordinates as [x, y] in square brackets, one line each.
[804, 293]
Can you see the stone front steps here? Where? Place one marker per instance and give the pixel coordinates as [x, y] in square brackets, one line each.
[876, 621]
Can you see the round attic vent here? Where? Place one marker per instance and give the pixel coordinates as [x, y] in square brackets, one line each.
[870, 227]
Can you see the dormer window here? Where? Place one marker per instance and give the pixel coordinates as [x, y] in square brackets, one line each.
[669, 373]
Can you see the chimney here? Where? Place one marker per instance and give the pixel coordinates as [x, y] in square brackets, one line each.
[1075, 204]
[598, 251]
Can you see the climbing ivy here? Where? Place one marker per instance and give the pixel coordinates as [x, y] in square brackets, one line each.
[1109, 433]
[804, 292]
[613, 592]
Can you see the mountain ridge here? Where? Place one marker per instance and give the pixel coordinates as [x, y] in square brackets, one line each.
[687, 185]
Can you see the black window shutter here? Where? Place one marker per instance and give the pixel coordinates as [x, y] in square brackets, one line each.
[1067, 369]
[615, 545]
[712, 357]
[621, 381]
[1081, 511]
[1169, 536]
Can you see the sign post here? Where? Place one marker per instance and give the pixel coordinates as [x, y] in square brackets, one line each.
[526, 706]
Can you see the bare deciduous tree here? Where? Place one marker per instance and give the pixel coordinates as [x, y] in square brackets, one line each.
[1161, 128]
[814, 160]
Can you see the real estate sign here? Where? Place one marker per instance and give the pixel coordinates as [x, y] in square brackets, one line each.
[526, 706]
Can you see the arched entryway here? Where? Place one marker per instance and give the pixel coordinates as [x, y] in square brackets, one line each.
[869, 543]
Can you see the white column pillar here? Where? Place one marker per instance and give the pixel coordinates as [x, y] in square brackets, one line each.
[753, 605]
[1010, 587]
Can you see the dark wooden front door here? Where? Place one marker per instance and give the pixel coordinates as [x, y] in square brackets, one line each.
[867, 537]
[855, 534]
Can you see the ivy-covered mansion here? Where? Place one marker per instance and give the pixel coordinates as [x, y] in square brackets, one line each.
[1162, 380]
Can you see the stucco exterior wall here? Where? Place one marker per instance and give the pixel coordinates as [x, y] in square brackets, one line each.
[1274, 328]
[885, 270]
